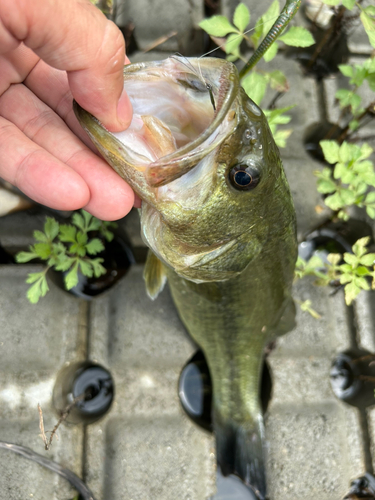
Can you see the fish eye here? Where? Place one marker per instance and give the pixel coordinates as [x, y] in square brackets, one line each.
[243, 177]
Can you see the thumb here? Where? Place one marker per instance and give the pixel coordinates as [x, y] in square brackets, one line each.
[75, 36]
[99, 87]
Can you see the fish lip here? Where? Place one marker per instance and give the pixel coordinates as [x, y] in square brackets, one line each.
[228, 78]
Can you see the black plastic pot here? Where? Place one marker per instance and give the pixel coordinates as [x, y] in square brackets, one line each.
[118, 257]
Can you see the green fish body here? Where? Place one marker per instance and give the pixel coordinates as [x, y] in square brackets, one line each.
[218, 217]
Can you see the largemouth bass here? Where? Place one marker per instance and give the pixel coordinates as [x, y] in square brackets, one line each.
[219, 220]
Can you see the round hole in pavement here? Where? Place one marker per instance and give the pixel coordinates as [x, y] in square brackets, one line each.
[318, 132]
[86, 385]
[333, 237]
[5, 257]
[329, 50]
[362, 487]
[352, 377]
[195, 390]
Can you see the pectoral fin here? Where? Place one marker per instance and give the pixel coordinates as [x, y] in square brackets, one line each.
[154, 275]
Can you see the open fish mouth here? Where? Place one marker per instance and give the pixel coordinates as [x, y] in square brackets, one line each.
[192, 125]
[183, 109]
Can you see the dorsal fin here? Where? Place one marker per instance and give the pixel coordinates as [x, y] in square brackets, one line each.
[154, 275]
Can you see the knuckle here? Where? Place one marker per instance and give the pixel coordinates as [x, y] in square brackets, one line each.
[42, 121]
[113, 48]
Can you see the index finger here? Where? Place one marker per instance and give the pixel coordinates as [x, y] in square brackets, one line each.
[74, 36]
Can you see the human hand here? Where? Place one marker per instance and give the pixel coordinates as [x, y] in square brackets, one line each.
[51, 52]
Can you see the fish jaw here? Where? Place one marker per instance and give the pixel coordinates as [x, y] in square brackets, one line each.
[115, 153]
[191, 119]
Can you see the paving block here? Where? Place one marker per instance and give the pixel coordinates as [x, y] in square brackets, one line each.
[313, 337]
[303, 95]
[371, 423]
[300, 366]
[153, 21]
[156, 457]
[16, 230]
[364, 308]
[21, 478]
[310, 209]
[40, 337]
[358, 41]
[315, 441]
[35, 342]
[310, 450]
[153, 449]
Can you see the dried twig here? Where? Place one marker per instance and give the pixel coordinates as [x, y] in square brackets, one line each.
[41, 427]
[63, 417]
[366, 357]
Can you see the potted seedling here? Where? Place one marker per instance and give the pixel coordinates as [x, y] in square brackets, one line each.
[84, 257]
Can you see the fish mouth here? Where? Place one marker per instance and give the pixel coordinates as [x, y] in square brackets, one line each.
[183, 109]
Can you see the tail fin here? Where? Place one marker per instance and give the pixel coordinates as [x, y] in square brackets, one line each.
[240, 451]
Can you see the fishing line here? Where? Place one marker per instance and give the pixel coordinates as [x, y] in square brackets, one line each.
[239, 35]
[208, 86]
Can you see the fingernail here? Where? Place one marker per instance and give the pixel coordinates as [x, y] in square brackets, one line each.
[124, 110]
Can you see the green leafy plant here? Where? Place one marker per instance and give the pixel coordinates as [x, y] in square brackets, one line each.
[277, 117]
[257, 81]
[350, 100]
[352, 273]
[349, 181]
[67, 248]
[220, 26]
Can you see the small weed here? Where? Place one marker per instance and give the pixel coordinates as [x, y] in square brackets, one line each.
[67, 248]
[352, 274]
